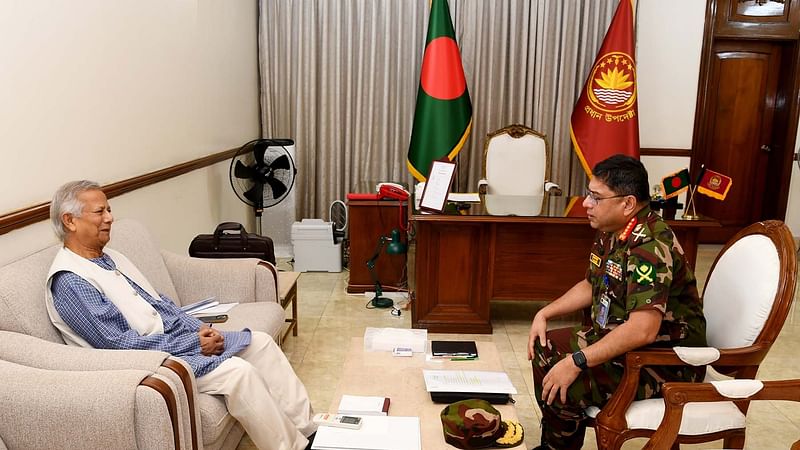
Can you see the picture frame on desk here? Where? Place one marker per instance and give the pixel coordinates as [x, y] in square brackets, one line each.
[437, 186]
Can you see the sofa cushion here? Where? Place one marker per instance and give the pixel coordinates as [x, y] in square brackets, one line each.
[214, 416]
[22, 285]
[134, 241]
[262, 316]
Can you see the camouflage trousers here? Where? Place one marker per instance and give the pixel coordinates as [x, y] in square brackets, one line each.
[564, 424]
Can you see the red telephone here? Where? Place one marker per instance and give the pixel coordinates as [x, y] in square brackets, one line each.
[392, 190]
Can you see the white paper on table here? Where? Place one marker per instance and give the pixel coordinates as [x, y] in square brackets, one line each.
[403, 432]
[221, 308]
[464, 197]
[468, 381]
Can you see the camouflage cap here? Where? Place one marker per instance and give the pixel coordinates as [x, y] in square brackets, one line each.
[474, 423]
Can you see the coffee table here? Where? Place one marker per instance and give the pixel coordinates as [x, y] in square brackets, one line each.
[400, 379]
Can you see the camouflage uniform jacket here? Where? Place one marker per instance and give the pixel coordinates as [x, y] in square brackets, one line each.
[645, 270]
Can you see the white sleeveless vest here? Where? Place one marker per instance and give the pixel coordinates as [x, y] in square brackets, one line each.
[139, 314]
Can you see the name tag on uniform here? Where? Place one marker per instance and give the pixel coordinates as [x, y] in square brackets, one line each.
[602, 312]
[594, 259]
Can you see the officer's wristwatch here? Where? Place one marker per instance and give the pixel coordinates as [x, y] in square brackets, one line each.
[580, 360]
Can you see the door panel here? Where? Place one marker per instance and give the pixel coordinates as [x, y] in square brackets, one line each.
[739, 112]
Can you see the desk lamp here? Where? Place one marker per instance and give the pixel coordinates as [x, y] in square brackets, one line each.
[394, 247]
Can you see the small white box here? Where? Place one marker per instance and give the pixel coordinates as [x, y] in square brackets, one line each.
[386, 339]
[314, 247]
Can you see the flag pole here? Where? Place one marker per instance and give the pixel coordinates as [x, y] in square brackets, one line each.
[687, 215]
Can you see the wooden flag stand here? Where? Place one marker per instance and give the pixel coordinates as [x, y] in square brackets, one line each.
[689, 213]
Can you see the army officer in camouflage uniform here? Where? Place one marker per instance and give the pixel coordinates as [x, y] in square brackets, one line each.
[641, 292]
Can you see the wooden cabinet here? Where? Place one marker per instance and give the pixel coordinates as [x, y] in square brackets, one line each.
[756, 19]
[368, 220]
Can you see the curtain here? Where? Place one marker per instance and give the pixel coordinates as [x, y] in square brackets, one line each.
[341, 77]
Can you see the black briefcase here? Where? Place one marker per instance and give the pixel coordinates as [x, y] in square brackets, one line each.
[231, 240]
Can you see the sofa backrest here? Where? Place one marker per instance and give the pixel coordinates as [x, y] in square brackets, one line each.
[132, 239]
[22, 282]
[22, 296]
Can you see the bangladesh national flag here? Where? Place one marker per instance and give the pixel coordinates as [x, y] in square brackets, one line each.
[673, 185]
[443, 116]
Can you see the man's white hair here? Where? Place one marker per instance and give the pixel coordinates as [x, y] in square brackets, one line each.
[65, 200]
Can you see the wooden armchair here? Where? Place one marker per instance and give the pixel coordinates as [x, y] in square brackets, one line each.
[677, 397]
[516, 161]
[746, 300]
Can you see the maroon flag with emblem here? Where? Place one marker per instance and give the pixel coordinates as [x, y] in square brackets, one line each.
[605, 119]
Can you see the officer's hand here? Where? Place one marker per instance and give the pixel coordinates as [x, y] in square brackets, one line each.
[538, 331]
[559, 379]
[211, 341]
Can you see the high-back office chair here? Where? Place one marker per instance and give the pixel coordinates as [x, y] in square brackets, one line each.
[679, 396]
[516, 161]
[747, 297]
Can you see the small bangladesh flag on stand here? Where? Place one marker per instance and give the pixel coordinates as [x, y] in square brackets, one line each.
[673, 185]
[443, 116]
[714, 184]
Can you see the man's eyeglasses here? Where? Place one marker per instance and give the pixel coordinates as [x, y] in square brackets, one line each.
[594, 199]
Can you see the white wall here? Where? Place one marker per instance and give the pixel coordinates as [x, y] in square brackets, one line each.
[111, 90]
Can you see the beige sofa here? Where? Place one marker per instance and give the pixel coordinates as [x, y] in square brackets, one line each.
[55, 396]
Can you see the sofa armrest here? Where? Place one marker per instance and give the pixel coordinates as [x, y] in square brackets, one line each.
[34, 352]
[45, 409]
[241, 280]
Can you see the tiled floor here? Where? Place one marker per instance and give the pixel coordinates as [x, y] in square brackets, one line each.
[329, 318]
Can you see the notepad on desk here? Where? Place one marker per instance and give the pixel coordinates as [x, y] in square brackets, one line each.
[454, 349]
[360, 405]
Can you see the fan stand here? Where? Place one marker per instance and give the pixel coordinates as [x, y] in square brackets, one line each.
[258, 212]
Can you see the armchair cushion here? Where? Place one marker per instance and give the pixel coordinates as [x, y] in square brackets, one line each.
[697, 356]
[738, 388]
[750, 268]
[698, 418]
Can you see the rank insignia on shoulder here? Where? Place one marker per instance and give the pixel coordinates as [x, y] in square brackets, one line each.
[645, 273]
[614, 269]
[594, 259]
[638, 232]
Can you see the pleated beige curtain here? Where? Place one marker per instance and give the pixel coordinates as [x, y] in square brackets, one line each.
[341, 78]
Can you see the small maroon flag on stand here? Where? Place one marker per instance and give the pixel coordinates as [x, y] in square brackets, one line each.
[714, 184]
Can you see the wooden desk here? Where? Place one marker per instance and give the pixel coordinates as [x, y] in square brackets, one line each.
[367, 221]
[465, 261]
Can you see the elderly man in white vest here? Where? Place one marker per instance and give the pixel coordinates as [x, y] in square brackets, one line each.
[97, 298]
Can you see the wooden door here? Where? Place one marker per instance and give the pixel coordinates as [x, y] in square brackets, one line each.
[741, 97]
[747, 109]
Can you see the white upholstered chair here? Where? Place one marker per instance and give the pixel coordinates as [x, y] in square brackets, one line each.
[516, 160]
[747, 297]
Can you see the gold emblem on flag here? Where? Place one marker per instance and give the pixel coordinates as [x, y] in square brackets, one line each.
[612, 86]
[715, 182]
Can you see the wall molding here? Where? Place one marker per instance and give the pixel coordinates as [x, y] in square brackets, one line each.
[687, 152]
[37, 213]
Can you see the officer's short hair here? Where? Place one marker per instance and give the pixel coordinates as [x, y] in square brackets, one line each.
[624, 175]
